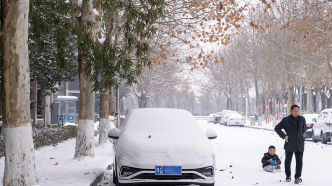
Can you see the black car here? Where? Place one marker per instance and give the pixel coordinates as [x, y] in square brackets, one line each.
[217, 119]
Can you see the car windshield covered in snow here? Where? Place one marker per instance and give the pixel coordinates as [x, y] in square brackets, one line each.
[237, 116]
[160, 120]
[309, 117]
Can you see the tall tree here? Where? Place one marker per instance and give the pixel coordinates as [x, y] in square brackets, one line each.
[88, 25]
[20, 157]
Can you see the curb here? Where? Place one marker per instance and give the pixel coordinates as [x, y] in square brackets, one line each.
[259, 128]
[97, 180]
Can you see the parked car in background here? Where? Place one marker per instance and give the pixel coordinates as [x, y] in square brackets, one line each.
[222, 116]
[217, 118]
[235, 120]
[228, 113]
[153, 148]
[322, 128]
[309, 118]
[211, 118]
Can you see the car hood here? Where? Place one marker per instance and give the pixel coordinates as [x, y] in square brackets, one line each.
[146, 149]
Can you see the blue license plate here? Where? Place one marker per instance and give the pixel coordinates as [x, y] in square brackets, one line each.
[168, 170]
[237, 122]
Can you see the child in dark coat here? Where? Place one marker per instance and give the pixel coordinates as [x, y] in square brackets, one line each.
[271, 160]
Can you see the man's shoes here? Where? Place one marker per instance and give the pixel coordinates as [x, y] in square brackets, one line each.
[288, 178]
[298, 180]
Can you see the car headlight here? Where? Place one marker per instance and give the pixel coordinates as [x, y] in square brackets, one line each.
[127, 171]
[207, 171]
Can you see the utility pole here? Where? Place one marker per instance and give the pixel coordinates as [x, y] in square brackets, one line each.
[118, 107]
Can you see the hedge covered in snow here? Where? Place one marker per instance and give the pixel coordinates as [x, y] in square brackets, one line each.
[46, 136]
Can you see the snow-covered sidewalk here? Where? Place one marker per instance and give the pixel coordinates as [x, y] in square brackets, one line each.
[57, 167]
[267, 126]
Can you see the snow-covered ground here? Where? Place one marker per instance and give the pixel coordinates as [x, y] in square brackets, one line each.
[56, 165]
[238, 155]
[243, 148]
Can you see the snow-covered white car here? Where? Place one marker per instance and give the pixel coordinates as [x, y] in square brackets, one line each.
[310, 121]
[162, 146]
[225, 118]
[211, 118]
[222, 116]
[235, 120]
[323, 127]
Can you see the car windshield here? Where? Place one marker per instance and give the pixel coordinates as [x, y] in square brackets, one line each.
[236, 116]
[309, 117]
[325, 115]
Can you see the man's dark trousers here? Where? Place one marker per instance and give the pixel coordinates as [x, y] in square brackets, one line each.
[299, 163]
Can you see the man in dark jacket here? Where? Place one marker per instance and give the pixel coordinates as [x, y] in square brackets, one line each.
[295, 127]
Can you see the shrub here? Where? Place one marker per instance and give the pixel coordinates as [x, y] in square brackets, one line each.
[42, 136]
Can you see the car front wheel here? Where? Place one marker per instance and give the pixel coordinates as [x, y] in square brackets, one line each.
[323, 138]
[314, 138]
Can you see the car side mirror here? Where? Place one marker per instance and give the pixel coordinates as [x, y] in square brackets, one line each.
[114, 133]
[211, 134]
[314, 120]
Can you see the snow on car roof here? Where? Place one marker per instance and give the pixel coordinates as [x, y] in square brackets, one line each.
[327, 110]
[235, 116]
[160, 119]
[310, 116]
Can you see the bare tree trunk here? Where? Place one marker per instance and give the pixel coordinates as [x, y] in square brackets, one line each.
[244, 107]
[273, 112]
[20, 169]
[290, 94]
[244, 104]
[329, 98]
[104, 125]
[111, 102]
[45, 103]
[228, 104]
[323, 96]
[309, 99]
[237, 101]
[85, 140]
[142, 101]
[260, 117]
[230, 101]
[34, 99]
[314, 100]
[248, 100]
